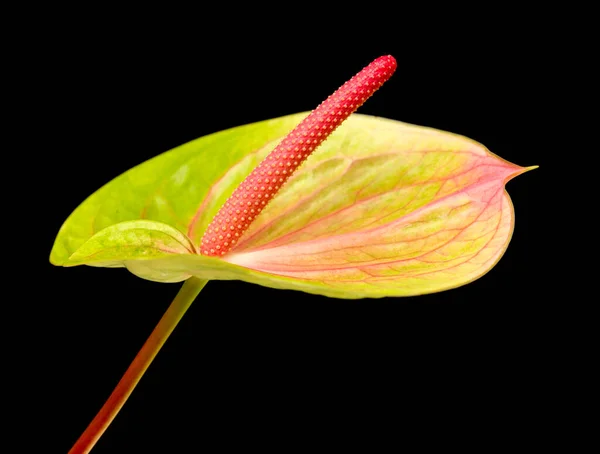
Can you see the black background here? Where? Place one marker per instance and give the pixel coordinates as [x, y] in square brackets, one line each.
[248, 363]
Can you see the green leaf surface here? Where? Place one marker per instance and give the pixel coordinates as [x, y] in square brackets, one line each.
[382, 208]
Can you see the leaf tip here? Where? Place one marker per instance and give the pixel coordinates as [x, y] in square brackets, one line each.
[520, 171]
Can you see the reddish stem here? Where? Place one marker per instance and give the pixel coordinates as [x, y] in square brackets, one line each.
[134, 373]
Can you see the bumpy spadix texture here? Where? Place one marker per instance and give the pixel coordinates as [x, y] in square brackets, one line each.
[257, 190]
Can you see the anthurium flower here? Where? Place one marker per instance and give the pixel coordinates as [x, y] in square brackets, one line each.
[381, 208]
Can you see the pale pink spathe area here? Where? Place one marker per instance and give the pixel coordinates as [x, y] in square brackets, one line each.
[475, 170]
[463, 232]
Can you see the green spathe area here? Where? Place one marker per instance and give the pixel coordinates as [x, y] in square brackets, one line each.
[382, 208]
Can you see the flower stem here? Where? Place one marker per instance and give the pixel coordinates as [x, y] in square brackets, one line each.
[188, 292]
